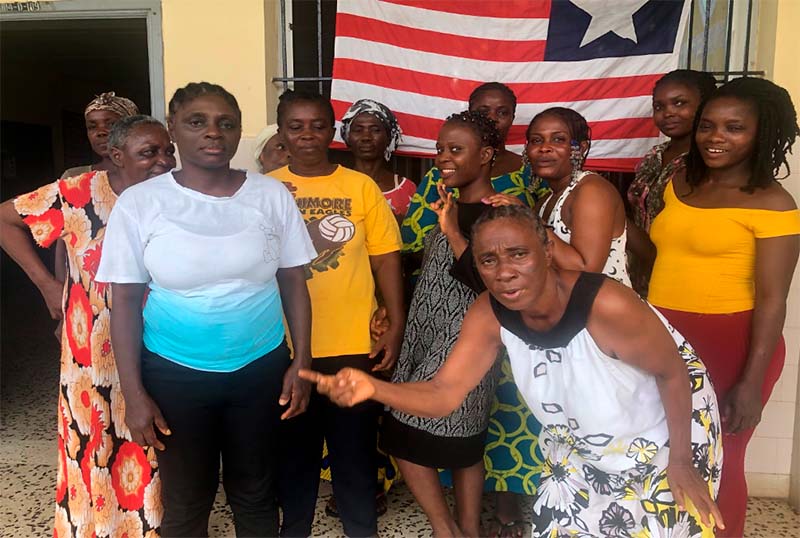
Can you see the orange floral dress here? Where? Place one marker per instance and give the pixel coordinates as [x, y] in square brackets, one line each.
[107, 485]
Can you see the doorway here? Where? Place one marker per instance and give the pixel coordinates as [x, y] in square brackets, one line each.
[51, 70]
[53, 63]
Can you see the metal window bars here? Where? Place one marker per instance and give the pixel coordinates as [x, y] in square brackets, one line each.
[714, 22]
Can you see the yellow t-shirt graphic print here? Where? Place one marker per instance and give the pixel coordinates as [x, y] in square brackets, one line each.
[329, 233]
[348, 220]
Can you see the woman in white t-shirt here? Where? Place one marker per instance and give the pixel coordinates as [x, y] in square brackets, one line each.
[221, 252]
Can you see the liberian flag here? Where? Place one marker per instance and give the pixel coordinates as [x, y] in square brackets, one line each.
[422, 58]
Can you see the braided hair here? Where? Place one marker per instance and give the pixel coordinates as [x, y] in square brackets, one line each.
[289, 97]
[703, 82]
[775, 135]
[193, 90]
[482, 125]
[520, 213]
[493, 86]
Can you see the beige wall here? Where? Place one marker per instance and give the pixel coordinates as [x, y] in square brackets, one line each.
[235, 44]
[770, 454]
[272, 52]
[787, 74]
[221, 43]
[224, 43]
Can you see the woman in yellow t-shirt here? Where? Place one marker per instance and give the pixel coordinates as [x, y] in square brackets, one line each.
[358, 247]
[727, 242]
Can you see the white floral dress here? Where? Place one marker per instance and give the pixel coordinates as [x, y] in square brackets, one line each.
[107, 485]
[604, 433]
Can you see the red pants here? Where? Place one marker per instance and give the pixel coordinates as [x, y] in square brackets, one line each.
[722, 341]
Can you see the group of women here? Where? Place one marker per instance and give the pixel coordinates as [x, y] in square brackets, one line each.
[518, 368]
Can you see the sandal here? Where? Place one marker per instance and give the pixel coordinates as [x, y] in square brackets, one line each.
[381, 505]
[330, 507]
[512, 529]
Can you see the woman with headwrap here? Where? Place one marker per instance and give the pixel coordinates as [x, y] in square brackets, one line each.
[106, 484]
[270, 151]
[372, 133]
[100, 115]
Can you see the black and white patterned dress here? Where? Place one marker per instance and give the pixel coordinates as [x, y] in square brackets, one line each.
[604, 430]
[434, 322]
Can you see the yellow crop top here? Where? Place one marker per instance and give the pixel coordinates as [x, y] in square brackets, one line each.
[706, 257]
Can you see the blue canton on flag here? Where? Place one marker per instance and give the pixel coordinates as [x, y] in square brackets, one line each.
[656, 24]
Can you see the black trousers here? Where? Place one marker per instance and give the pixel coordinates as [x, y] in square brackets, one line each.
[234, 414]
[351, 434]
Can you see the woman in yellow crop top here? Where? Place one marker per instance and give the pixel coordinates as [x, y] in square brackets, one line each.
[728, 241]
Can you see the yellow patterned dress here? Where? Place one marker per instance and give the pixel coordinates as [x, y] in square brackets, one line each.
[106, 485]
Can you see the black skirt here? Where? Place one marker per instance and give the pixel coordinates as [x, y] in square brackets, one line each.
[423, 448]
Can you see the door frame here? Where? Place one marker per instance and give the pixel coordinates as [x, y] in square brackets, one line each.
[150, 10]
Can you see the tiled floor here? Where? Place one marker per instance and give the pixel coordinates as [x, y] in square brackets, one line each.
[28, 381]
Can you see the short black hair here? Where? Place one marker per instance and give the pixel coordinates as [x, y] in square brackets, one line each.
[702, 81]
[193, 90]
[520, 213]
[776, 132]
[579, 130]
[483, 126]
[123, 127]
[290, 97]
[493, 86]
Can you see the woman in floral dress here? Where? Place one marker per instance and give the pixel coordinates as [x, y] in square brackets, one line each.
[631, 429]
[107, 485]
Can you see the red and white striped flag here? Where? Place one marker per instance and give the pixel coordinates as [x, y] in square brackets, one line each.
[422, 58]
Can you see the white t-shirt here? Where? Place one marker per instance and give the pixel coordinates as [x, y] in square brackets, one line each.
[210, 262]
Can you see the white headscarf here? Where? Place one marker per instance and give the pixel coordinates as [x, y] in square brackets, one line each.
[261, 140]
[384, 115]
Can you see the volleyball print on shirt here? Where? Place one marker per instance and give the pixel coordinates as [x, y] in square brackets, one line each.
[329, 234]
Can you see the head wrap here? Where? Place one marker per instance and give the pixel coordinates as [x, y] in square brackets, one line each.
[261, 140]
[380, 111]
[109, 101]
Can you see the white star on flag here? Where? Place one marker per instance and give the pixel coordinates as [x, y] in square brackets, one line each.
[616, 17]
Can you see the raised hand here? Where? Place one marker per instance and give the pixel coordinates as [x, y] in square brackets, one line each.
[446, 209]
[347, 388]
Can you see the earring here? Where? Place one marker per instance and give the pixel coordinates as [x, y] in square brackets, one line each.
[576, 158]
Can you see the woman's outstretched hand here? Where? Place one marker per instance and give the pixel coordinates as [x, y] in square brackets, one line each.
[346, 389]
